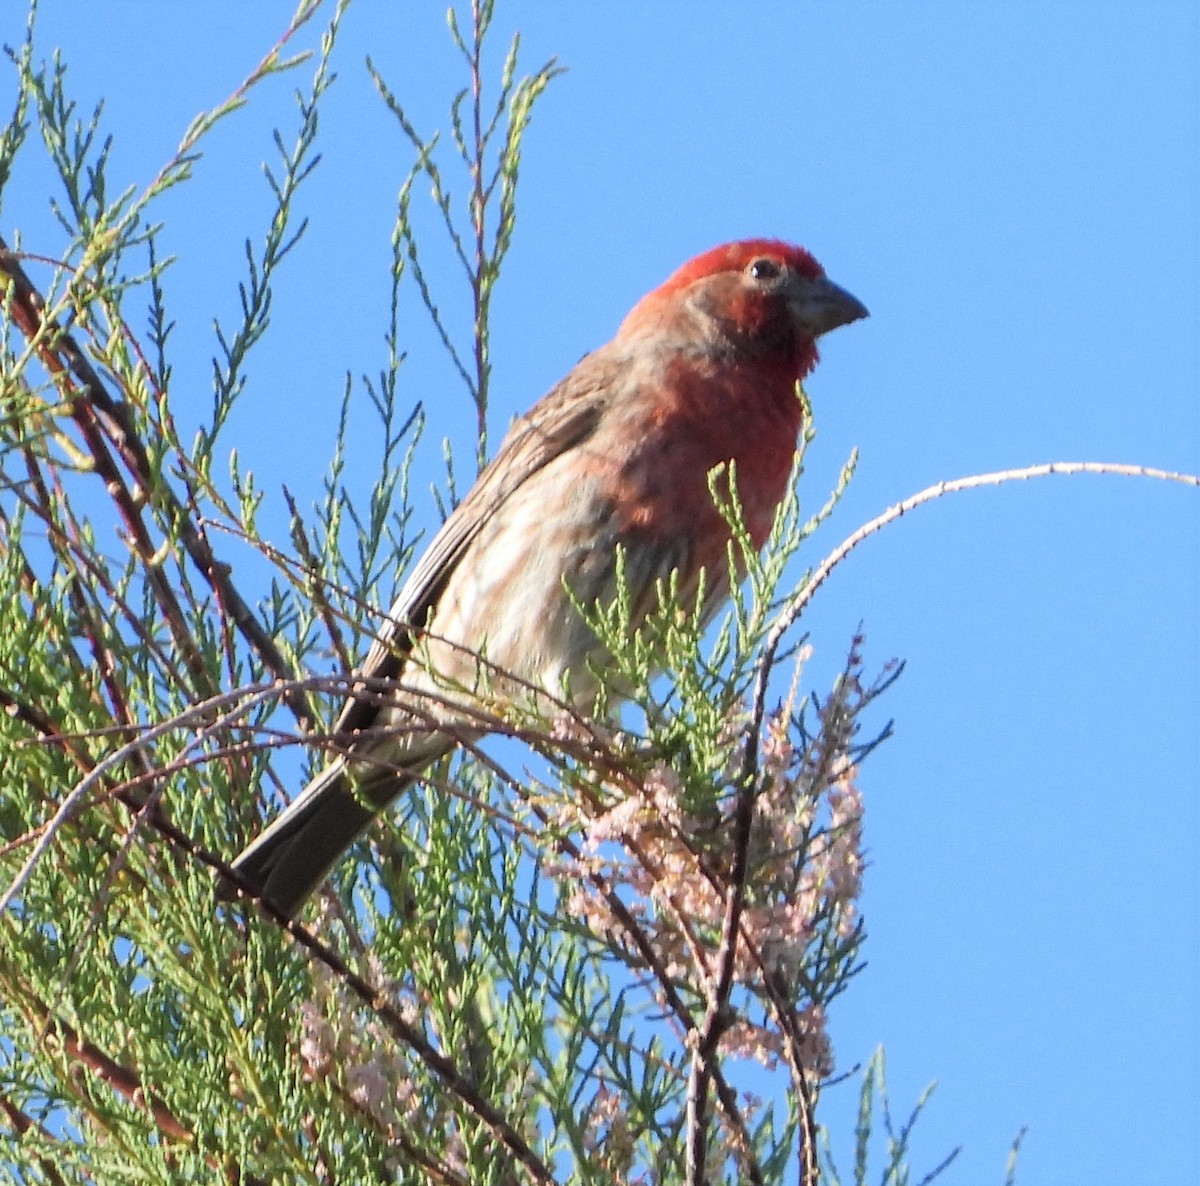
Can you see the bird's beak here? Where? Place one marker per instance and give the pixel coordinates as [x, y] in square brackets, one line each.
[820, 305]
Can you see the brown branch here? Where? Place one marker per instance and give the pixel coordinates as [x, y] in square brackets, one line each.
[23, 1123]
[86, 574]
[810, 1167]
[63, 359]
[122, 1079]
[437, 1062]
[717, 1016]
[60, 354]
[81, 596]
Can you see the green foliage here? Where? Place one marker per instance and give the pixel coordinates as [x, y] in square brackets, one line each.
[875, 1121]
[558, 975]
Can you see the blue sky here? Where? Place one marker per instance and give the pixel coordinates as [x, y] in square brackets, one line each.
[1012, 188]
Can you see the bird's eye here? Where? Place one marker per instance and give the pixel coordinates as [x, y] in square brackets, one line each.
[764, 269]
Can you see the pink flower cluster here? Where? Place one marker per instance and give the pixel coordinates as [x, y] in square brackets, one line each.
[643, 860]
[355, 1053]
[607, 1136]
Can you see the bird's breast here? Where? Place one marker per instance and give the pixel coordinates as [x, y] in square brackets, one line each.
[664, 452]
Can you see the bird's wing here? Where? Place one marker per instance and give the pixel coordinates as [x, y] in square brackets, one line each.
[560, 421]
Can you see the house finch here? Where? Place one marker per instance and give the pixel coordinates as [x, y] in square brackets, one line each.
[617, 457]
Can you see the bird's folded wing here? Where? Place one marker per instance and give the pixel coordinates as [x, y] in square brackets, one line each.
[561, 421]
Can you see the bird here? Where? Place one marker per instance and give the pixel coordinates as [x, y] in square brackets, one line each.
[615, 461]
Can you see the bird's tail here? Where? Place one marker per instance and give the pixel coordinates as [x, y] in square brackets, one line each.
[295, 854]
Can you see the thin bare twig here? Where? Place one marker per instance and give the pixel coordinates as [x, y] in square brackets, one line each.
[795, 605]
